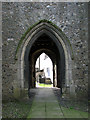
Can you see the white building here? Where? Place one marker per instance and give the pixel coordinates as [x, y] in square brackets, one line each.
[46, 64]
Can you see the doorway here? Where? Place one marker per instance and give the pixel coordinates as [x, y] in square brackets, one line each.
[44, 71]
[45, 44]
[48, 39]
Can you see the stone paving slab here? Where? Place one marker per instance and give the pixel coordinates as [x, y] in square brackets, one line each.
[37, 110]
[45, 105]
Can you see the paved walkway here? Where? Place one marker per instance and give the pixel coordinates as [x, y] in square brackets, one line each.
[45, 105]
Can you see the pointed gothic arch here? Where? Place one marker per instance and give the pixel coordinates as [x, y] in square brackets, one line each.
[60, 42]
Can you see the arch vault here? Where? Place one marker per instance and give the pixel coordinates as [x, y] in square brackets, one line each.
[48, 38]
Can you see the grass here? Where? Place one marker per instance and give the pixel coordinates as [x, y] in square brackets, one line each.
[72, 113]
[45, 85]
[16, 109]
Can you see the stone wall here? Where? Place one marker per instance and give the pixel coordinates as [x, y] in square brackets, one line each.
[71, 18]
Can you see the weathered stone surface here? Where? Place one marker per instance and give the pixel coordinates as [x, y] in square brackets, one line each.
[0, 60]
[71, 18]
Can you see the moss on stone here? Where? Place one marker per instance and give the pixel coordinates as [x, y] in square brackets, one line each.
[30, 28]
[19, 93]
[16, 93]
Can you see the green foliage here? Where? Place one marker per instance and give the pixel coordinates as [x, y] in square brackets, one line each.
[71, 107]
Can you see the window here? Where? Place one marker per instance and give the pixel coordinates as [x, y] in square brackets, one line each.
[48, 71]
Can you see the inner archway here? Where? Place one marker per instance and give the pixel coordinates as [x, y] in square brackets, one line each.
[45, 43]
[44, 71]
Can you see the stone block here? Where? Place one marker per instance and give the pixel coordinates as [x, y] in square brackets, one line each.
[16, 93]
[72, 88]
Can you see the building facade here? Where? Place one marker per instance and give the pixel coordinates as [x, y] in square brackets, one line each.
[60, 30]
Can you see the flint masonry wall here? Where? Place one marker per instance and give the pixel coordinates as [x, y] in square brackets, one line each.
[71, 18]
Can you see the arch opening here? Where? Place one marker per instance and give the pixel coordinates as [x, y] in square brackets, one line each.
[45, 38]
[45, 43]
[44, 71]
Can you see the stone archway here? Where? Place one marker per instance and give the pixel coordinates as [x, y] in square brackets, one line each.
[62, 45]
[52, 56]
[36, 54]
